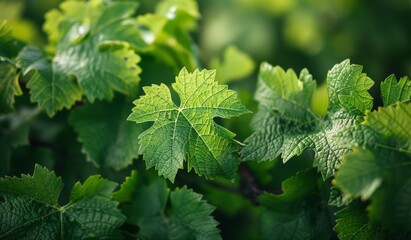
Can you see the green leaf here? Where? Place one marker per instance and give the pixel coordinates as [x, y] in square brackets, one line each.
[295, 213]
[31, 208]
[336, 198]
[352, 224]
[167, 32]
[392, 122]
[235, 65]
[49, 87]
[92, 42]
[188, 216]
[294, 190]
[9, 47]
[394, 91]
[390, 206]
[286, 125]
[359, 175]
[9, 86]
[146, 208]
[280, 94]
[191, 216]
[188, 132]
[347, 88]
[127, 188]
[277, 226]
[380, 170]
[111, 141]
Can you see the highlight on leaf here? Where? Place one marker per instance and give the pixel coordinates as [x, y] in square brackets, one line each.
[188, 132]
[286, 125]
[92, 47]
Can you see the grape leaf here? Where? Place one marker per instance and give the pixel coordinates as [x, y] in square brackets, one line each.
[92, 42]
[9, 75]
[277, 225]
[394, 91]
[9, 86]
[380, 169]
[392, 122]
[390, 205]
[293, 214]
[51, 89]
[146, 207]
[167, 32]
[188, 132]
[111, 141]
[360, 175]
[31, 209]
[347, 88]
[235, 65]
[9, 47]
[352, 223]
[286, 123]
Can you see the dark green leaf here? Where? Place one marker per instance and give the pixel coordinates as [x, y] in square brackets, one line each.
[31, 209]
[108, 139]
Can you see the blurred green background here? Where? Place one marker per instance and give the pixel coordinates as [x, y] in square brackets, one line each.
[291, 33]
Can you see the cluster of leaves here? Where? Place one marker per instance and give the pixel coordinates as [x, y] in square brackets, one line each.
[355, 186]
[370, 149]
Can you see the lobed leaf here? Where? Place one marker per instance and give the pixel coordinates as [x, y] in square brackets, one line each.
[161, 214]
[286, 125]
[188, 132]
[49, 87]
[9, 86]
[111, 141]
[31, 208]
[352, 223]
[347, 88]
[92, 42]
[394, 91]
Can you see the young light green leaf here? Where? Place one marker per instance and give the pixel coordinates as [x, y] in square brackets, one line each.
[167, 33]
[31, 208]
[188, 132]
[347, 88]
[234, 65]
[9, 86]
[92, 41]
[111, 141]
[9, 47]
[93, 45]
[287, 125]
[48, 86]
[394, 91]
[392, 121]
[280, 94]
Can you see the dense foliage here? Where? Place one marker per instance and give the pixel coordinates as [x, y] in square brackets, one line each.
[120, 150]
